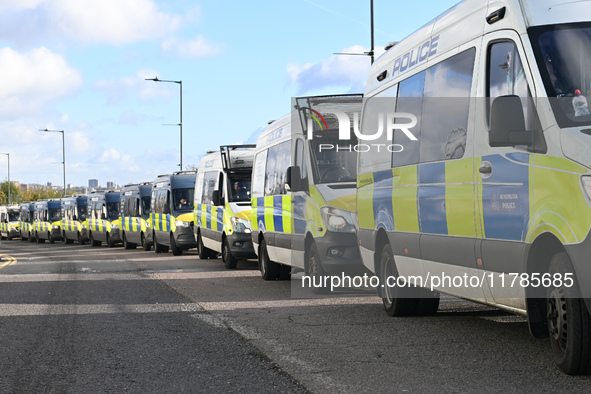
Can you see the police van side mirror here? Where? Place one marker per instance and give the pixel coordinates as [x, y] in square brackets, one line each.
[216, 199]
[507, 123]
[294, 179]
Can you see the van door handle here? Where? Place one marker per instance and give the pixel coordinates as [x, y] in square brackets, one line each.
[485, 168]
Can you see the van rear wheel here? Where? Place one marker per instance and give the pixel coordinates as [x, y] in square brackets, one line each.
[569, 323]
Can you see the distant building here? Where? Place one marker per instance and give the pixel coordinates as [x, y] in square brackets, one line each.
[110, 184]
[93, 183]
[49, 184]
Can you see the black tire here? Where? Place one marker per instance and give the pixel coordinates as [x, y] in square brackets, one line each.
[284, 272]
[270, 270]
[31, 237]
[316, 271]
[145, 246]
[229, 260]
[93, 242]
[110, 242]
[67, 241]
[127, 244]
[157, 247]
[8, 237]
[80, 241]
[204, 253]
[176, 251]
[50, 238]
[569, 323]
[398, 301]
[39, 240]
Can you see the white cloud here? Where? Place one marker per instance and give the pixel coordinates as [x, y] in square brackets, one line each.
[339, 71]
[104, 21]
[117, 89]
[33, 79]
[197, 48]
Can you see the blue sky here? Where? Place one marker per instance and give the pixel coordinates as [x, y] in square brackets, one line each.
[80, 65]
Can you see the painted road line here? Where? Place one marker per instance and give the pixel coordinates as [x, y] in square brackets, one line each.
[9, 260]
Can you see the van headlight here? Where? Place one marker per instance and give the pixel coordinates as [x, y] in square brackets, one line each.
[115, 226]
[240, 225]
[338, 220]
[55, 227]
[180, 223]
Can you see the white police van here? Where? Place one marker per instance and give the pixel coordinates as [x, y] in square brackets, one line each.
[487, 176]
[222, 204]
[303, 190]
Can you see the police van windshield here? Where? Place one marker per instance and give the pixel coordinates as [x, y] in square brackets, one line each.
[113, 210]
[334, 161]
[82, 212]
[564, 58]
[13, 216]
[240, 188]
[55, 214]
[183, 200]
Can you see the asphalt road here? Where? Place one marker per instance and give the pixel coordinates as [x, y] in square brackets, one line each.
[77, 319]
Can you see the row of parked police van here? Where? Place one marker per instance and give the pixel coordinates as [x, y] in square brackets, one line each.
[469, 156]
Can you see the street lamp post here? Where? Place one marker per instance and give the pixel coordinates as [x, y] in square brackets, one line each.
[63, 151]
[9, 195]
[180, 83]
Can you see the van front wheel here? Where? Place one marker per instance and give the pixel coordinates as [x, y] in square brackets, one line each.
[569, 323]
[397, 300]
[269, 269]
[229, 260]
[176, 251]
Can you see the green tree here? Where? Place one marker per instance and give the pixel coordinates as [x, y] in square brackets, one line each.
[15, 191]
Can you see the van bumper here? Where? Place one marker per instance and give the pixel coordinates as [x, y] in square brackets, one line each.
[339, 253]
[184, 238]
[56, 234]
[241, 246]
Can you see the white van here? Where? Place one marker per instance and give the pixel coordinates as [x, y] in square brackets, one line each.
[492, 199]
[222, 204]
[303, 190]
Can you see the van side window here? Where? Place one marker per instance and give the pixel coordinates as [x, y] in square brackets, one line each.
[446, 104]
[258, 174]
[410, 100]
[300, 161]
[210, 183]
[278, 160]
[506, 77]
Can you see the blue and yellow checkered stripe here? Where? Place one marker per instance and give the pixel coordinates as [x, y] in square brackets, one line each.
[439, 198]
[162, 222]
[272, 213]
[210, 217]
[133, 224]
[42, 226]
[70, 225]
[99, 225]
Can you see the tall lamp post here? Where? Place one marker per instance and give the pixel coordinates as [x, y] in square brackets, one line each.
[9, 195]
[155, 79]
[63, 151]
